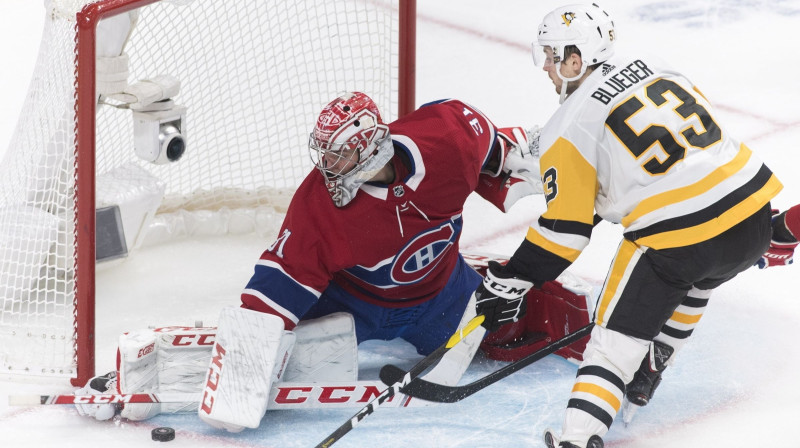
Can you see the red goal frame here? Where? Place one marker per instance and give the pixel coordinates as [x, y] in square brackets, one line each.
[85, 101]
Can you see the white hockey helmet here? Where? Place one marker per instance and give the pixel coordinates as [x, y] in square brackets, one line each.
[349, 145]
[587, 27]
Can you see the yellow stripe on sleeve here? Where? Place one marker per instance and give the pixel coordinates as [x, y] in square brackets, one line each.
[681, 194]
[712, 228]
[564, 252]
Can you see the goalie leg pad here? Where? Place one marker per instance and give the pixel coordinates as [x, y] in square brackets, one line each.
[325, 349]
[170, 359]
[176, 359]
[245, 357]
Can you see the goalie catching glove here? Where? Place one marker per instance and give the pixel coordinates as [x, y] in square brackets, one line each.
[501, 297]
[521, 150]
[515, 172]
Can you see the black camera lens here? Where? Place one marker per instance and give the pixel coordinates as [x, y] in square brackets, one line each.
[175, 148]
[172, 143]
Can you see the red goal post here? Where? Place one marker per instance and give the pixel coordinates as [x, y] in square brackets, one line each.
[252, 77]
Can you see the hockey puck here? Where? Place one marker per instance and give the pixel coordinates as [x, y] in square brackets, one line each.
[163, 434]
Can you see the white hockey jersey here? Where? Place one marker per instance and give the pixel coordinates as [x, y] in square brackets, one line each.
[639, 144]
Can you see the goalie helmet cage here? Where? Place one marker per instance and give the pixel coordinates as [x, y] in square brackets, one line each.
[252, 78]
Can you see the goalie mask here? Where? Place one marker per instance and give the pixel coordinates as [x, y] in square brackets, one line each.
[587, 27]
[349, 145]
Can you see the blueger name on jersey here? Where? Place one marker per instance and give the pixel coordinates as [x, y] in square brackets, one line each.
[628, 77]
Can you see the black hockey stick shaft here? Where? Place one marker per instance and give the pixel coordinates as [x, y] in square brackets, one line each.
[407, 377]
[439, 393]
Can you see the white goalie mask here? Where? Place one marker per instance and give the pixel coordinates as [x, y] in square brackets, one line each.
[587, 27]
[349, 145]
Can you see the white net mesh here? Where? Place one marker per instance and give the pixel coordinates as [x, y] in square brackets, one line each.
[253, 76]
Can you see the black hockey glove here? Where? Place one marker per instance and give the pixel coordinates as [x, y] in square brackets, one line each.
[501, 297]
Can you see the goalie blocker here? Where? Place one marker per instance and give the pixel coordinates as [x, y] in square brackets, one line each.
[553, 311]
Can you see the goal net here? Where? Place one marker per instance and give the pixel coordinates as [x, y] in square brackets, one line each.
[147, 120]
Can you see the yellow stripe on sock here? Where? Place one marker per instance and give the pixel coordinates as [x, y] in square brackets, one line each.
[598, 392]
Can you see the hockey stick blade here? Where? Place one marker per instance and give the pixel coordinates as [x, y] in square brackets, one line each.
[284, 395]
[394, 388]
[439, 393]
[35, 400]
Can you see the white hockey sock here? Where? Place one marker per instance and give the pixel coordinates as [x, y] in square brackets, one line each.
[609, 362]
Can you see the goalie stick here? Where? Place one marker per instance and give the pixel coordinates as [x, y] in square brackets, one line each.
[406, 378]
[36, 400]
[284, 396]
[439, 393]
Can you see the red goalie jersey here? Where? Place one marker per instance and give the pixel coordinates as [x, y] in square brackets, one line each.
[394, 245]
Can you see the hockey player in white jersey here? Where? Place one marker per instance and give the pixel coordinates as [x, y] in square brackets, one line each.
[635, 142]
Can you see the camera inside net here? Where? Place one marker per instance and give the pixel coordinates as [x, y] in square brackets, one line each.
[160, 133]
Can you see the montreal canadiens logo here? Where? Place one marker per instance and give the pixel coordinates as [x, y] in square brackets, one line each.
[422, 254]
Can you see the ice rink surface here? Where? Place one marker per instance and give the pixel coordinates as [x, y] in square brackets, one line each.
[733, 385]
